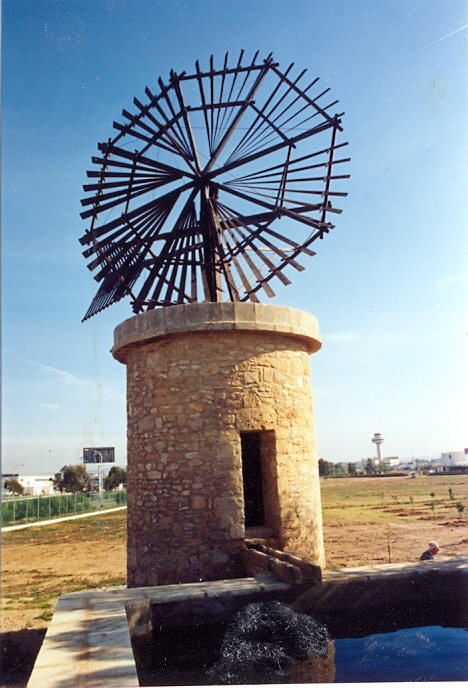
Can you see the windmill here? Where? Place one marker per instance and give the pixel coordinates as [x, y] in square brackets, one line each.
[213, 186]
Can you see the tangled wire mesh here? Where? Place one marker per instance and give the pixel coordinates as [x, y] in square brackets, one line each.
[262, 642]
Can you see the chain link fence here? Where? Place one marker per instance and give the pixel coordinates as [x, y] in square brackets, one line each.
[19, 510]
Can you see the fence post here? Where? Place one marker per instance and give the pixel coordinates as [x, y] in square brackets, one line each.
[14, 510]
[38, 507]
[75, 503]
[60, 503]
[49, 509]
[26, 510]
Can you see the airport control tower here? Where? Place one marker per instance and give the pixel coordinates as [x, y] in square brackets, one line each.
[377, 440]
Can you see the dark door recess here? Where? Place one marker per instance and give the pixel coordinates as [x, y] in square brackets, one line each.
[253, 481]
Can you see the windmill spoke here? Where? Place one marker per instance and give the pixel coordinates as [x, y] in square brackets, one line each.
[242, 249]
[221, 92]
[212, 97]
[204, 108]
[215, 155]
[193, 279]
[179, 133]
[229, 110]
[272, 149]
[163, 202]
[223, 265]
[171, 124]
[259, 121]
[138, 155]
[123, 254]
[295, 88]
[142, 223]
[121, 196]
[183, 275]
[285, 211]
[188, 127]
[186, 219]
[247, 240]
[279, 168]
[268, 290]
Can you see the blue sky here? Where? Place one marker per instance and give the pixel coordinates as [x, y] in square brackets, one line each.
[388, 285]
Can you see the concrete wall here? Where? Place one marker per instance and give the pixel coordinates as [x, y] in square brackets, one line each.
[190, 393]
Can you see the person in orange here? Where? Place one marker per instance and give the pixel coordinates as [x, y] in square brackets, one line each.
[431, 552]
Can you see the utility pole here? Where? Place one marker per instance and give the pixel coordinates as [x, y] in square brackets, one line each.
[98, 455]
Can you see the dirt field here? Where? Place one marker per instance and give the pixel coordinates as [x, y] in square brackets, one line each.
[362, 517]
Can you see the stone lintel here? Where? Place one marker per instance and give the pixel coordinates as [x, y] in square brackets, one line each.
[210, 317]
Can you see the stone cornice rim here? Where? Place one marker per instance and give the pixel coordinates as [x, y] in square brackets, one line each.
[211, 317]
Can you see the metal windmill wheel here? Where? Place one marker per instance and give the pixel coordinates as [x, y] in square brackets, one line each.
[214, 186]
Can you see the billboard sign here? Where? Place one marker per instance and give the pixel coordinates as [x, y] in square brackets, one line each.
[99, 455]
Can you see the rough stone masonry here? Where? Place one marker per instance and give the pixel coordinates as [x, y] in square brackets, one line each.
[198, 376]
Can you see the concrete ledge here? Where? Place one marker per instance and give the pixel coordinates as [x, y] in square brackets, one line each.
[88, 642]
[211, 317]
[391, 590]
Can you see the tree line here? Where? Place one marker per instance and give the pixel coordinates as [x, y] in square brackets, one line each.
[74, 479]
[338, 470]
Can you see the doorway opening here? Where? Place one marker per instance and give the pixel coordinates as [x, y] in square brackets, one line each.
[253, 479]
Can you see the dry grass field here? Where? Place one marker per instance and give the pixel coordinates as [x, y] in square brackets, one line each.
[363, 518]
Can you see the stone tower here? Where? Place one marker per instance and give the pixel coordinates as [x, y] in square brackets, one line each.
[221, 438]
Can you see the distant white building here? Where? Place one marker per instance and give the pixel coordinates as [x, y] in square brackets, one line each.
[454, 459]
[391, 461]
[35, 485]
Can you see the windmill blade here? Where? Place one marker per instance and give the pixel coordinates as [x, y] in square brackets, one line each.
[248, 241]
[185, 225]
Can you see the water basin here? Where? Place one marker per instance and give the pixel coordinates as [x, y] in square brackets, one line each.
[428, 653]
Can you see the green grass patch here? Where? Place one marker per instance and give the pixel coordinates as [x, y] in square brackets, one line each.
[96, 529]
[45, 616]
